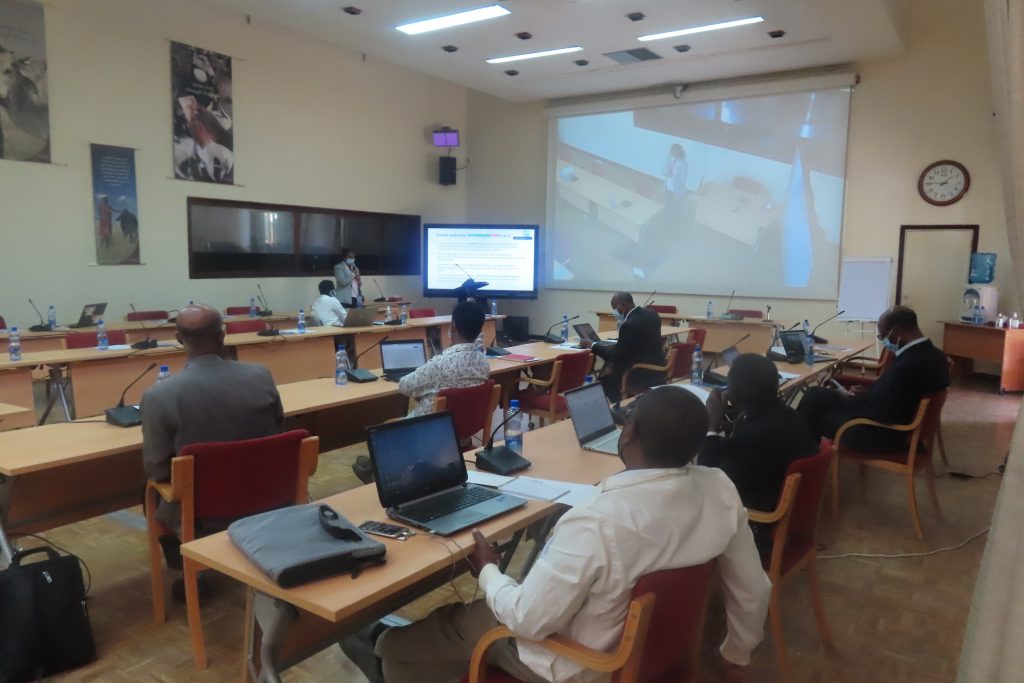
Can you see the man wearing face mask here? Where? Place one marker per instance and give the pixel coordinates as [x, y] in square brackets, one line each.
[917, 370]
[346, 275]
[639, 342]
[326, 309]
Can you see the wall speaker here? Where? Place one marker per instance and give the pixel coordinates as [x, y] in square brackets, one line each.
[446, 170]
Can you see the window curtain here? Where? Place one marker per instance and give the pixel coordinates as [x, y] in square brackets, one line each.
[993, 646]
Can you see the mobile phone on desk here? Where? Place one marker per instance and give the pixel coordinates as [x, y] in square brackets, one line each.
[394, 531]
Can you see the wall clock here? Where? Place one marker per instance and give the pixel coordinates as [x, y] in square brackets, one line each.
[944, 183]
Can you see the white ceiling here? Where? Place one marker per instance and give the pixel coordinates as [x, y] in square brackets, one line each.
[818, 32]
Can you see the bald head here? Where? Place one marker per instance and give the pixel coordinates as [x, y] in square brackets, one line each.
[665, 429]
[200, 330]
[899, 324]
[623, 302]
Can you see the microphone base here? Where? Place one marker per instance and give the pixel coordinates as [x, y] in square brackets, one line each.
[380, 300]
[393, 322]
[124, 416]
[269, 333]
[552, 339]
[730, 316]
[360, 376]
[496, 351]
[264, 314]
[40, 328]
[715, 378]
[145, 344]
[819, 340]
[501, 460]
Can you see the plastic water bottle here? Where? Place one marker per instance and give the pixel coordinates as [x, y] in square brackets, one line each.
[976, 318]
[697, 370]
[514, 428]
[807, 327]
[494, 307]
[981, 316]
[565, 328]
[14, 344]
[51, 317]
[341, 366]
[254, 311]
[102, 343]
[711, 311]
[165, 372]
[302, 321]
[589, 379]
[1014, 322]
[809, 350]
[403, 314]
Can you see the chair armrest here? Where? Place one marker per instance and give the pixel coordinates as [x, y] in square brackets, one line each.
[162, 489]
[765, 517]
[863, 421]
[595, 660]
[649, 366]
[544, 383]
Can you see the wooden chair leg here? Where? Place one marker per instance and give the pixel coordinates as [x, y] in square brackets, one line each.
[942, 447]
[816, 603]
[156, 567]
[195, 622]
[912, 495]
[930, 480]
[778, 641]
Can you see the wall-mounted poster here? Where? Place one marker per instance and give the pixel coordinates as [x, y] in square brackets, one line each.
[115, 205]
[203, 122]
[24, 101]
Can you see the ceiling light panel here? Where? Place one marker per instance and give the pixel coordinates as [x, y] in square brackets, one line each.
[450, 20]
[701, 29]
[534, 55]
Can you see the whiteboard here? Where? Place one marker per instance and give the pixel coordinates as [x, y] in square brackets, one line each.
[864, 288]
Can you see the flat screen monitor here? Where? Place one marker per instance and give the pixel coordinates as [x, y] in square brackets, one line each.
[504, 256]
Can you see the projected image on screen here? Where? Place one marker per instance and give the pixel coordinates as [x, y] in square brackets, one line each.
[701, 198]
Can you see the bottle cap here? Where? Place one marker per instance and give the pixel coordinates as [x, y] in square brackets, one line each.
[14, 328]
[513, 404]
[164, 368]
[341, 347]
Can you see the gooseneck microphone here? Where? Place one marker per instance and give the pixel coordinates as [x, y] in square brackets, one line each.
[263, 300]
[42, 326]
[501, 459]
[127, 416]
[359, 375]
[381, 297]
[822, 340]
[552, 339]
[650, 299]
[147, 343]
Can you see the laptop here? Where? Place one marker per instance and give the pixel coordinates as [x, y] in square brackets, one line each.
[360, 317]
[721, 378]
[586, 332]
[592, 419]
[91, 315]
[421, 477]
[402, 357]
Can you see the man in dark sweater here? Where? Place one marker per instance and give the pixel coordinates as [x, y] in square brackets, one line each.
[639, 342]
[766, 436]
[917, 370]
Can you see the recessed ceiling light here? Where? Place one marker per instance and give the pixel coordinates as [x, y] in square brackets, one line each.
[354, 11]
[682, 48]
[635, 16]
[701, 29]
[511, 72]
[457, 19]
[450, 48]
[524, 35]
[534, 55]
[776, 34]
[581, 62]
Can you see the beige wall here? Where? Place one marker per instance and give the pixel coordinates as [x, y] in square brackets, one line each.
[316, 125]
[933, 102]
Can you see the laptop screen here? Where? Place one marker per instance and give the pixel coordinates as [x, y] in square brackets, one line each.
[591, 416]
[402, 355]
[729, 355]
[415, 457]
[586, 332]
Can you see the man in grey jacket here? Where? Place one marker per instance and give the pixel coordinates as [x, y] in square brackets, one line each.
[212, 399]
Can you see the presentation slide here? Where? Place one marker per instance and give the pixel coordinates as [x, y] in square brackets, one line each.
[701, 198]
[503, 256]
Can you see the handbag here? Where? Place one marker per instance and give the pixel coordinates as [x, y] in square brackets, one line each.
[44, 622]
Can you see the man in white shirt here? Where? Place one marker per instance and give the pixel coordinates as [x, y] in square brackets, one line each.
[661, 513]
[326, 309]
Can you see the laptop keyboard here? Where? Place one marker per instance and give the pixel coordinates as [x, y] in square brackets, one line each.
[609, 442]
[446, 504]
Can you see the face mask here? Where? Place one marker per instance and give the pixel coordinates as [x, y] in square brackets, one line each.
[893, 346]
[618, 315]
[350, 261]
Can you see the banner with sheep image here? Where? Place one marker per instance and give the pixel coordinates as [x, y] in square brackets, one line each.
[24, 100]
[115, 205]
[201, 105]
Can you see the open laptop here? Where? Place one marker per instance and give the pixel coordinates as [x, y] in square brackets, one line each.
[592, 419]
[421, 477]
[721, 377]
[360, 317]
[586, 332]
[402, 357]
[91, 314]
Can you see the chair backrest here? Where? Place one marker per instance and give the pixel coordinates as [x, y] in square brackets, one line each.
[697, 335]
[3, 323]
[471, 408]
[674, 635]
[682, 361]
[422, 312]
[575, 368]
[239, 326]
[88, 340]
[747, 312]
[932, 417]
[663, 308]
[236, 310]
[813, 473]
[135, 316]
[234, 479]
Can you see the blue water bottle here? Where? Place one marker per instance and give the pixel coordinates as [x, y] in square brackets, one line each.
[514, 428]
[14, 344]
[254, 311]
[697, 368]
[302, 321]
[102, 343]
[565, 328]
[341, 366]
[165, 372]
[51, 317]
[403, 314]
[494, 307]
[711, 311]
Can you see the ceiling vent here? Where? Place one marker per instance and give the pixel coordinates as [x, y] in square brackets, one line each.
[634, 56]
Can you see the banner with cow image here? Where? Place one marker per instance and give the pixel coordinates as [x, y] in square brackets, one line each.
[115, 205]
[201, 103]
[24, 100]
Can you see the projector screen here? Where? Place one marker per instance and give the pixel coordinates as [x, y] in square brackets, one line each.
[504, 256]
[701, 198]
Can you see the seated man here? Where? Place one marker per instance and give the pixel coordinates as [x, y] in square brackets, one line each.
[766, 436]
[661, 513]
[326, 309]
[639, 342]
[917, 369]
[212, 399]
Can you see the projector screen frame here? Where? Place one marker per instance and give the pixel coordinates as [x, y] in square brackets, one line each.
[436, 293]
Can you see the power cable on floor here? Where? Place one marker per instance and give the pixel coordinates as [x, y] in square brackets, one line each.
[900, 556]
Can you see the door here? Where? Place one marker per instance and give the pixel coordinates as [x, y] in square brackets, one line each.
[934, 264]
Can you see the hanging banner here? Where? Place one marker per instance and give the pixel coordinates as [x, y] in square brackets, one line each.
[202, 113]
[24, 99]
[115, 205]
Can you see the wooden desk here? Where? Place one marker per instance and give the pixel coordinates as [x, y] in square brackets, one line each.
[968, 343]
[606, 321]
[16, 389]
[333, 606]
[32, 342]
[441, 323]
[8, 411]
